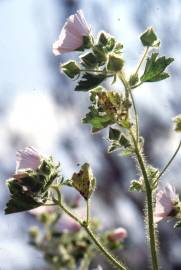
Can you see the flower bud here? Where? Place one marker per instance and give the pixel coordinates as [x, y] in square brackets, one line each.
[177, 122]
[71, 69]
[118, 234]
[133, 79]
[115, 63]
[149, 38]
[34, 232]
[100, 54]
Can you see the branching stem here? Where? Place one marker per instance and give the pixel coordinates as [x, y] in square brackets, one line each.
[169, 162]
[83, 224]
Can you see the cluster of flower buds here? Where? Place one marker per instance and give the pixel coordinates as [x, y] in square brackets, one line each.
[101, 56]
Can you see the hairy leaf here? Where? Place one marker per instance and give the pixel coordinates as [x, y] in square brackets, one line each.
[155, 68]
[89, 81]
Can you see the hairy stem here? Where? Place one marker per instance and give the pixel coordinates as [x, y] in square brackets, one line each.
[149, 200]
[117, 263]
[108, 255]
[142, 60]
[129, 93]
[88, 211]
[140, 159]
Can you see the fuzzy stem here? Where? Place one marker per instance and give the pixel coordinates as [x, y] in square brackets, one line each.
[128, 91]
[117, 263]
[142, 165]
[113, 260]
[142, 59]
[88, 211]
[149, 196]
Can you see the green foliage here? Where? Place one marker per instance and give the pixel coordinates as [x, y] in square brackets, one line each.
[71, 69]
[107, 107]
[115, 63]
[114, 134]
[149, 38]
[133, 79]
[136, 185]
[119, 142]
[89, 81]
[97, 120]
[30, 189]
[69, 247]
[89, 60]
[177, 122]
[155, 68]
[84, 181]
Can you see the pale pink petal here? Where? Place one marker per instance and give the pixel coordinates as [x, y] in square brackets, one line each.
[42, 210]
[71, 36]
[165, 200]
[118, 234]
[29, 158]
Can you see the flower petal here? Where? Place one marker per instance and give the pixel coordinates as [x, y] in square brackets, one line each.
[29, 158]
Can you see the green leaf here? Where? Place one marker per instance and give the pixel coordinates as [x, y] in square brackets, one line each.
[155, 67]
[84, 181]
[71, 69]
[114, 134]
[177, 224]
[89, 60]
[177, 122]
[29, 189]
[136, 185]
[89, 81]
[21, 202]
[123, 141]
[97, 121]
[114, 147]
[149, 38]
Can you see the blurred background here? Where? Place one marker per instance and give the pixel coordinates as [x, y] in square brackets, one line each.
[39, 107]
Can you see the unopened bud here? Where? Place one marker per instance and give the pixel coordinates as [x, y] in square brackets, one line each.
[115, 63]
[118, 234]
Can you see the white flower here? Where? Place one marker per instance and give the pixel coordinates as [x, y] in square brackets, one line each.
[29, 158]
[71, 36]
[166, 200]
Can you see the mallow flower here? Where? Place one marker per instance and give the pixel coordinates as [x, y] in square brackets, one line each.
[118, 234]
[73, 34]
[167, 203]
[29, 186]
[28, 158]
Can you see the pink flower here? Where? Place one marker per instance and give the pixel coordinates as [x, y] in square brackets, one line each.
[29, 158]
[42, 210]
[118, 234]
[71, 36]
[166, 200]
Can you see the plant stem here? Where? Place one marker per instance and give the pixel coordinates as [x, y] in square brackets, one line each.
[113, 260]
[149, 194]
[141, 60]
[169, 162]
[128, 91]
[149, 200]
[88, 211]
[117, 263]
